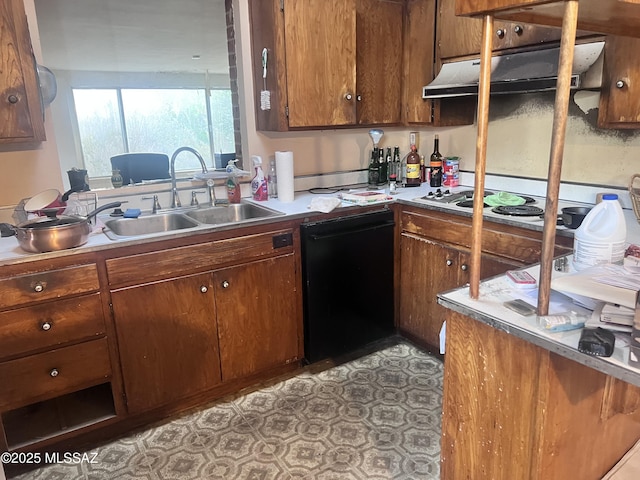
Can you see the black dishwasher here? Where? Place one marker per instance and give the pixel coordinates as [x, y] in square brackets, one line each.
[347, 268]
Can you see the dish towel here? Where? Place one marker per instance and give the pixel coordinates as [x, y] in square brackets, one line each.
[503, 198]
[324, 204]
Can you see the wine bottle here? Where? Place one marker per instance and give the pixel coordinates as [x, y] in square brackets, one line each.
[435, 165]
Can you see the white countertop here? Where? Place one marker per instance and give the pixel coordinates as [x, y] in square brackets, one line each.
[10, 252]
[489, 309]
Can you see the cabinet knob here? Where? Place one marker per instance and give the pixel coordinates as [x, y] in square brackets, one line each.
[464, 267]
[38, 287]
[54, 372]
[12, 99]
[225, 284]
[620, 84]
[204, 289]
[518, 29]
[449, 262]
[348, 96]
[46, 326]
[359, 98]
[500, 33]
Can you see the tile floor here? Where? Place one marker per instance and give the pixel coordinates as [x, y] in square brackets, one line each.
[376, 417]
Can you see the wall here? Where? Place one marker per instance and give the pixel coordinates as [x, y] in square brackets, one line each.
[519, 140]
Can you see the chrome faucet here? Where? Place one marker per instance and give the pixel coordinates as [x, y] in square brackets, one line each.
[175, 199]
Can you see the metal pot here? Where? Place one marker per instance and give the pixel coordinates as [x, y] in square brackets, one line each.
[572, 217]
[48, 234]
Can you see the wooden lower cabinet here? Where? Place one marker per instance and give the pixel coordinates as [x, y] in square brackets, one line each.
[428, 268]
[434, 258]
[183, 336]
[168, 340]
[257, 331]
[513, 410]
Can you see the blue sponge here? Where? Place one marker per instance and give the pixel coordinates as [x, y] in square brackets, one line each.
[132, 213]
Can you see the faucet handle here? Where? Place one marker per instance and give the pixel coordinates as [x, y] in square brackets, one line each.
[194, 197]
[156, 203]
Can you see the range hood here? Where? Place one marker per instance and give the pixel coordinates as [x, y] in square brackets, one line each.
[525, 72]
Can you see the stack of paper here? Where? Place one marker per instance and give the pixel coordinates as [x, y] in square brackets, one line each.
[611, 317]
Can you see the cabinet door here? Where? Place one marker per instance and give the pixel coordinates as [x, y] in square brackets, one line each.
[461, 36]
[320, 46]
[418, 59]
[620, 95]
[257, 316]
[167, 339]
[379, 63]
[426, 269]
[21, 117]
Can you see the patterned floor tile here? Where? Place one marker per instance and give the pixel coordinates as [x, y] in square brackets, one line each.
[377, 417]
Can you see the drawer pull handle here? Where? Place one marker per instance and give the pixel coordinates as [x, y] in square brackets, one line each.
[464, 267]
[38, 287]
[54, 373]
[225, 284]
[46, 326]
[204, 289]
[449, 262]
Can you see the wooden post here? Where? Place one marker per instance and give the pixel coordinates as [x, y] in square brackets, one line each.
[561, 108]
[481, 154]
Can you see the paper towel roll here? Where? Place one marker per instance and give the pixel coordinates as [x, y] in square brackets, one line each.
[284, 171]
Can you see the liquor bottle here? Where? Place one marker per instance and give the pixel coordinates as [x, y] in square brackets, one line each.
[382, 168]
[423, 170]
[389, 161]
[413, 168]
[396, 165]
[374, 170]
[435, 165]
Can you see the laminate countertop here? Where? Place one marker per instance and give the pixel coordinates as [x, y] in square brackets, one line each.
[489, 309]
[11, 253]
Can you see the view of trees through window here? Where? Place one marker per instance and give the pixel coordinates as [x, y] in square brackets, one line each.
[113, 121]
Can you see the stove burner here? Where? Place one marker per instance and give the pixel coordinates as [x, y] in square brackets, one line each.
[518, 210]
[469, 204]
[528, 199]
[469, 193]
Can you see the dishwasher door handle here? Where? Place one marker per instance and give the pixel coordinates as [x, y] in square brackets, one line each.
[352, 231]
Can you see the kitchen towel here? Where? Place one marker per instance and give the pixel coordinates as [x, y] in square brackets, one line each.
[284, 170]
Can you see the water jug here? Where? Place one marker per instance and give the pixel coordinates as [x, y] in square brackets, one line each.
[601, 236]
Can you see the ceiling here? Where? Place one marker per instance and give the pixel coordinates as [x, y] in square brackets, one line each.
[133, 35]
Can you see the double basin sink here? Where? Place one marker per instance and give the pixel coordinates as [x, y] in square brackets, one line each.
[235, 213]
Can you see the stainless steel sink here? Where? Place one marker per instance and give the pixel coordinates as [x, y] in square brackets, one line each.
[144, 225]
[234, 213]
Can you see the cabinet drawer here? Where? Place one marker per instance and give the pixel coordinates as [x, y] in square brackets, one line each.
[504, 241]
[40, 326]
[205, 256]
[35, 287]
[46, 375]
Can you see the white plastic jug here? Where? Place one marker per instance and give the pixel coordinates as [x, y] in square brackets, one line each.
[601, 236]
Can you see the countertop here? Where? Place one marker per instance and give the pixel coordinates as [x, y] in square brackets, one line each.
[489, 309]
[11, 253]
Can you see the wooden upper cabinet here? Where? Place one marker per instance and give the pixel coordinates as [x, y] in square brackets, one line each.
[378, 62]
[418, 60]
[620, 94]
[21, 114]
[331, 63]
[320, 50]
[461, 36]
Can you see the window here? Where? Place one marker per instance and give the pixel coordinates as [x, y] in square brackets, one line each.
[112, 121]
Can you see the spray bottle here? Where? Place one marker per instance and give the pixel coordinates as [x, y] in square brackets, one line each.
[259, 186]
